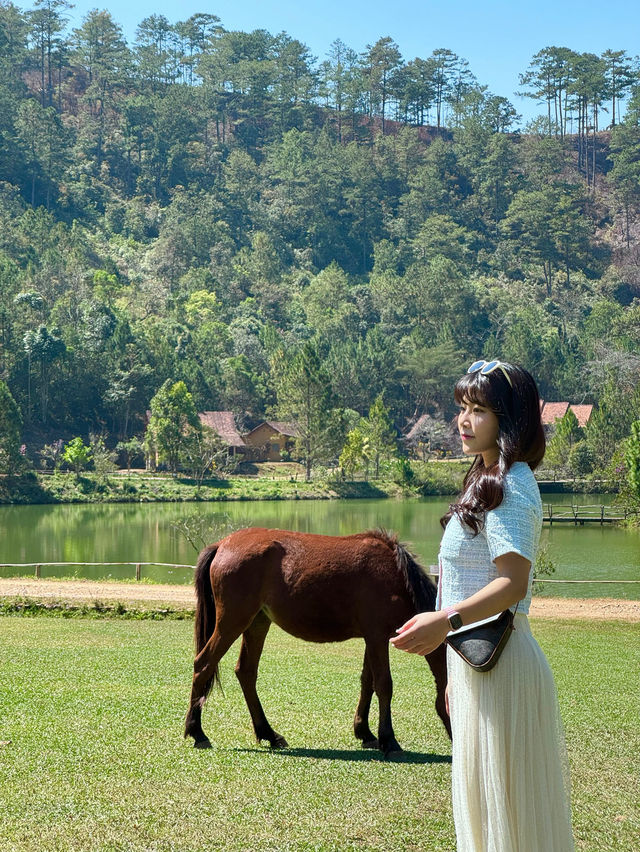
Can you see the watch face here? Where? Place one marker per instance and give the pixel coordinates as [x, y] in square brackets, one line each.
[455, 621]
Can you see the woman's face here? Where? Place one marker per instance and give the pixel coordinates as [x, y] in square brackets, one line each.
[478, 427]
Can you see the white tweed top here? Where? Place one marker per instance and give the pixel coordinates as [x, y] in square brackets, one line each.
[466, 561]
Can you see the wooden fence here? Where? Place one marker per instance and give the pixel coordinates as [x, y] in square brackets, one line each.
[581, 515]
[432, 570]
[138, 565]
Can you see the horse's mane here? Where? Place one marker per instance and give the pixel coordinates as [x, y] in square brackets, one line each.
[421, 588]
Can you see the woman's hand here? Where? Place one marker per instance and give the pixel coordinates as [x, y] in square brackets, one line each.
[422, 634]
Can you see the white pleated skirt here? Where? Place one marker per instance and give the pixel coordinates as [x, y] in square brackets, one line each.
[510, 774]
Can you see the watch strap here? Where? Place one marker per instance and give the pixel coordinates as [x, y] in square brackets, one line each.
[454, 618]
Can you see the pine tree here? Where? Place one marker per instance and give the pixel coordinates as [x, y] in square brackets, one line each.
[304, 395]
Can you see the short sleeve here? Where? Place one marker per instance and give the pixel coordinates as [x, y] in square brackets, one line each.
[514, 526]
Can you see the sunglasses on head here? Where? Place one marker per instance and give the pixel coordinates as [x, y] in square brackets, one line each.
[486, 367]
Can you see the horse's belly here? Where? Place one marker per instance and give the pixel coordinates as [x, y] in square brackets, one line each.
[319, 626]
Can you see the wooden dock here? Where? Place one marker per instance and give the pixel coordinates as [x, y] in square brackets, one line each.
[581, 515]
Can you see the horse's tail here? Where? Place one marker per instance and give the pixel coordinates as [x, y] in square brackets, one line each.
[205, 621]
[421, 588]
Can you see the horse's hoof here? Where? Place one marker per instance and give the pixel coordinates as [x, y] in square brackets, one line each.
[205, 743]
[279, 742]
[370, 744]
[396, 754]
[392, 751]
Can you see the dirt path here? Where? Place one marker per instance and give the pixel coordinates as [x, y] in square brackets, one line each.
[88, 591]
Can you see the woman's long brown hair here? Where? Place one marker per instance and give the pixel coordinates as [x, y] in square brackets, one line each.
[520, 438]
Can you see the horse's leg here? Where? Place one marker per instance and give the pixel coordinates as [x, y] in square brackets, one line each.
[247, 673]
[378, 653]
[438, 664]
[361, 721]
[205, 671]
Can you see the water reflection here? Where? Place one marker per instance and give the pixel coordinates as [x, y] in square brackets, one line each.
[147, 533]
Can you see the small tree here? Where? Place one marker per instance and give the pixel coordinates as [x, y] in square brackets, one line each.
[632, 464]
[568, 429]
[303, 388]
[544, 567]
[204, 452]
[580, 459]
[356, 453]
[10, 428]
[131, 448]
[567, 433]
[52, 453]
[557, 454]
[173, 422]
[77, 455]
[104, 460]
[403, 473]
[609, 421]
[380, 432]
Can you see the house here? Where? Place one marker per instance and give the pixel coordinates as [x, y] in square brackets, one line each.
[270, 439]
[554, 411]
[223, 424]
[427, 435]
[583, 414]
[416, 432]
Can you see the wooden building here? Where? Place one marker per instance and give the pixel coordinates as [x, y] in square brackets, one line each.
[270, 439]
[223, 424]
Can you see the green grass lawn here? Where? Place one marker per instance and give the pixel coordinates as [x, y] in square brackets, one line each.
[93, 710]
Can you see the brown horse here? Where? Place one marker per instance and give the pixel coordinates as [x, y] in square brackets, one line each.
[318, 588]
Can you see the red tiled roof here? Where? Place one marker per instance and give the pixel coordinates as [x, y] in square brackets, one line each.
[553, 411]
[583, 413]
[223, 423]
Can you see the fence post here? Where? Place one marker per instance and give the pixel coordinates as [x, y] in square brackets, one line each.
[38, 572]
[137, 570]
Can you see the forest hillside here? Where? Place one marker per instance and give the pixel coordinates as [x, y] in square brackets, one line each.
[221, 209]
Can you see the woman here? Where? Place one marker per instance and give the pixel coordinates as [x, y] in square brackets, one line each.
[509, 768]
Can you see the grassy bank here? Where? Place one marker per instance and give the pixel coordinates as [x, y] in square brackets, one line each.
[92, 756]
[31, 607]
[272, 482]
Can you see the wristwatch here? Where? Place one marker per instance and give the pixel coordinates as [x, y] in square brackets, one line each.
[454, 618]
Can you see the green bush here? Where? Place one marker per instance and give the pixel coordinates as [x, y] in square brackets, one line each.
[403, 473]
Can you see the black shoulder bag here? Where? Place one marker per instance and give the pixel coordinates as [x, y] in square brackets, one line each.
[480, 645]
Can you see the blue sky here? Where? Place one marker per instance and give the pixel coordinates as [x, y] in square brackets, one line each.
[497, 37]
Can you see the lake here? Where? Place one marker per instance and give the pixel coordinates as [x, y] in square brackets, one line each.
[147, 533]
